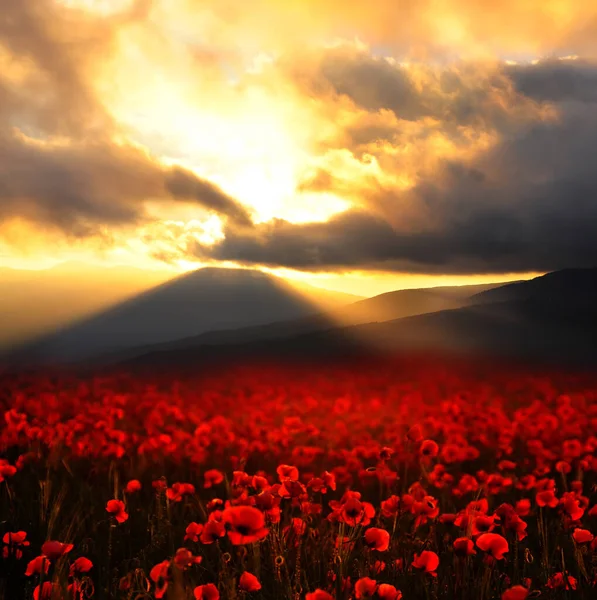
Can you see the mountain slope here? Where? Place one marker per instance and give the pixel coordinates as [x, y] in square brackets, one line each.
[193, 303]
[385, 307]
[533, 325]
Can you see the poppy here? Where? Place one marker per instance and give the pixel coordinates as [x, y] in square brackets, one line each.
[80, 565]
[428, 561]
[429, 449]
[249, 583]
[517, 592]
[184, 558]
[319, 595]
[365, 587]
[493, 543]
[582, 536]
[385, 591]
[55, 550]
[37, 565]
[160, 575]
[377, 539]
[246, 524]
[212, 532]
[117, 509]
[206, 592]
[193, 531]
[134, 485]
[464, 547]
[212, 477]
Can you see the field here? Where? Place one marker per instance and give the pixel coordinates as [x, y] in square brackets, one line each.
[404, 478]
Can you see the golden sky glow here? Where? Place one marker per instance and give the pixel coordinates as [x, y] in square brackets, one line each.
[293, 113]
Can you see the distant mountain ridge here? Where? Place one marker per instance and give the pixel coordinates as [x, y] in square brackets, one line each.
[205, 299]
[552, 317]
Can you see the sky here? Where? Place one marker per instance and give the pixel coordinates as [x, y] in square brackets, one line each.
[362, 146]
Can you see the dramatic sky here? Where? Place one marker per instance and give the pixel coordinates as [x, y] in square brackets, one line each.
[379, 139]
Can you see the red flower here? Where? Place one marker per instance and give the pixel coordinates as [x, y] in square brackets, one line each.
[493, 543]
[206, 592]
[287, 473]
[14, 542]
[427, 561]
[546, 498]
[365, 587]
[319, 595]
[390, 507]
[414, 434]
[582, 536]
[385, 591]
[160, 575]
[558, 581]
[54, 550]
[117, 509]
[212, 477]
[517, 592]
[48, 591]
[429, 449]
[178, 490]
[193, 531]
[184, 558]
[377, 539]
[212, 532]
[464, 547]
[247, 524]
[249, 583]
[38, 564]
[81, 565]
[134, 485]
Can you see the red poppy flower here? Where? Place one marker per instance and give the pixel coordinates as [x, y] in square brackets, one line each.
[582, 536]
[48, 591]
[365, 587]
[80, 565]
[517, 592]
[212, 477]
[493, 543]
[464, 547]
[249, 583]
[385, 591]
[377, 539]
[193, 531]
[178, 490]
[160, 575]
[523, 507]
[206, 592]
[117, 509]
[212, 532]
[134, 485]
[38, 564]
[414, 434]
[319, 595]
[247, 524]
[287, 473]
[428, 561]
[390, 507]
[559, 581]
[54, 550]
[546, 498]
[429, 449]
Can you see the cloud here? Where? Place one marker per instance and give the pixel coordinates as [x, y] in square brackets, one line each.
[64, 163]
[523, 201]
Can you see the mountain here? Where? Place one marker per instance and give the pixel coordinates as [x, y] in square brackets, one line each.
[549, 318]
[205, 299]
[384, 307]
[33, 303]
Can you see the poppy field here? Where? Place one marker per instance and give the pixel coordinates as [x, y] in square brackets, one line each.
[384, 479]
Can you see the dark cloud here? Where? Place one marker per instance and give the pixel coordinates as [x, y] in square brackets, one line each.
[59, 165]
[529, 203]
[556, 80]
